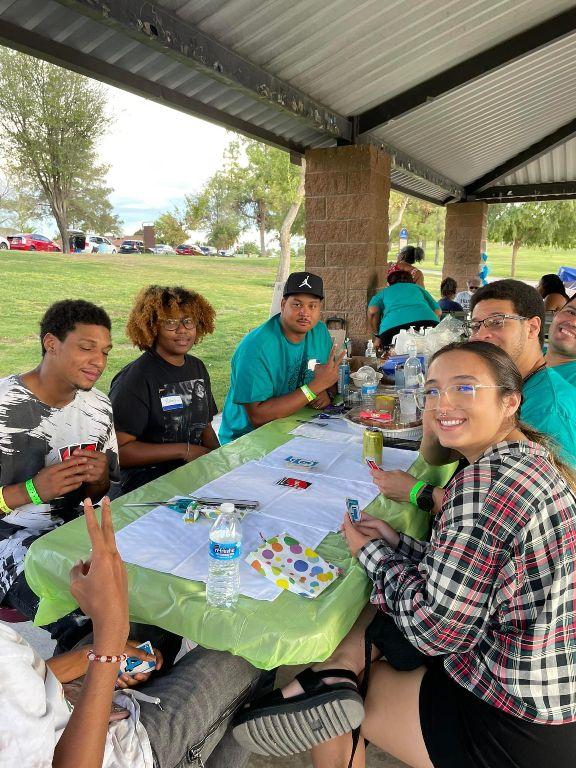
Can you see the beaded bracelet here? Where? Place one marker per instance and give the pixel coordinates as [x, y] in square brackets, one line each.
[32, 492]
[91, 656]
[308, 394]
[4, 508]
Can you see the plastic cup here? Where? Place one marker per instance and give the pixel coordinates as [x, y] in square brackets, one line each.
[408, 407]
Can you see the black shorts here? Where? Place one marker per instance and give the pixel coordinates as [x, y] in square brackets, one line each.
[462, 731]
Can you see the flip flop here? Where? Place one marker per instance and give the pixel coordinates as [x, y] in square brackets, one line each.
[277, 726]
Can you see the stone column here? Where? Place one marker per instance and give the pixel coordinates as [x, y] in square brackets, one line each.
[464, 240]
[347, 191]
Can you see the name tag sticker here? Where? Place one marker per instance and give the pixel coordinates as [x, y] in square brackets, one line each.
[312, 363]
[171, 402]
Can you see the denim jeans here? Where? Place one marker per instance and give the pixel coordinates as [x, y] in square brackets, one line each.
[199, 696]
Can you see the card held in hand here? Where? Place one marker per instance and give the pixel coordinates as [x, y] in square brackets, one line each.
[291, 565]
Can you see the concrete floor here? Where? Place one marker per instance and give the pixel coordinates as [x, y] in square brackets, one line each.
[375, 758]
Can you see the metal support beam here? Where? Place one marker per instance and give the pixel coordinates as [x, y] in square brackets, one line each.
[180, 40]
[536, 150]
[64, 56]
[494, 58]
[414, 167]
[412, 193]
[516, 193]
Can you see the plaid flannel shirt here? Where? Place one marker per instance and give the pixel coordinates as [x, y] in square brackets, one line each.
[494, 591]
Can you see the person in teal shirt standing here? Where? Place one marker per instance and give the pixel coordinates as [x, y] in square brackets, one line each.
[284, 364]
[399, 306]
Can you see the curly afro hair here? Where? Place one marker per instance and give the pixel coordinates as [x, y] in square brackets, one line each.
[157, 302]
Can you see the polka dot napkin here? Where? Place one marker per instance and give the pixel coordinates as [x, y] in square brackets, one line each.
[290, 565]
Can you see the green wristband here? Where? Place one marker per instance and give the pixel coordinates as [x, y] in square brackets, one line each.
[308, 394]
[416, 488]
[32, 492]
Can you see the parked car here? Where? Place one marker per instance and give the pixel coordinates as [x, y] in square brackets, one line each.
[32, 242]
[227, 252]
[4, 242]
[162, 248]
[188, 250]
[99, 244]
[132, 246]
[208, 250]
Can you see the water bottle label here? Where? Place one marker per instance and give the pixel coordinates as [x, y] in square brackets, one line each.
[369, 389]
[229, 550]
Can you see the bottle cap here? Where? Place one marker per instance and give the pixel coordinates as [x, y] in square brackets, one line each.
[227, 508]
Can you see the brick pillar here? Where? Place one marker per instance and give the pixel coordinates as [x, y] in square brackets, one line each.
[464, 240]
[347, 191]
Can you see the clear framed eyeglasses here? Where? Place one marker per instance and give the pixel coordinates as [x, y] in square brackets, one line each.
[172, 324]
[457, 396]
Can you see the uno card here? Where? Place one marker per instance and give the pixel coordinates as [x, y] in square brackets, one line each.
[300, 462]
[372, 464]
[294, 482]
[133, 665]
[353, 509]
[88, 447]
[67, 451]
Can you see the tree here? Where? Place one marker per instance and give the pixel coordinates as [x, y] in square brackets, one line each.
[215, 209]
[52, 120]
[541, 223]
[170, 229]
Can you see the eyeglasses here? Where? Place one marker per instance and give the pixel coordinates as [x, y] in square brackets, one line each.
[492, 322]
[457, 396]
[171, 324]
[473, 288]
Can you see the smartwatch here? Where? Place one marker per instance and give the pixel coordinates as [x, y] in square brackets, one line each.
[425, 499]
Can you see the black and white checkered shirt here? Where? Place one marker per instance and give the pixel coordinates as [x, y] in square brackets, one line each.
[494, 590]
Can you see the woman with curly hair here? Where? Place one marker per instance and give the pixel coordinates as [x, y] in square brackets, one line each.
[162, 401]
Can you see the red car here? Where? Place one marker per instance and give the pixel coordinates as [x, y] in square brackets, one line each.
[32, 242]
[188, 250]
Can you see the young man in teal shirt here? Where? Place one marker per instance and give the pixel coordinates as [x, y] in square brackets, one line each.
[561, 354]
[282, 365]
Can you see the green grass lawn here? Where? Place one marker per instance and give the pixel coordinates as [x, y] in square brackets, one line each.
[239, 288]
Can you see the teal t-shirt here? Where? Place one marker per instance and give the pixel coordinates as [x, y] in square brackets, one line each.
[550, 406]
[567, 371]
[267, 365]
[404, 303]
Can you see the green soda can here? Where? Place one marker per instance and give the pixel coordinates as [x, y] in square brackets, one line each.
[372, 445]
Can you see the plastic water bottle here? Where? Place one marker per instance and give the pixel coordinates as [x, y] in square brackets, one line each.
[343, 377]
[412, 369]
[370, 351]
[369, 386]
[223, 584]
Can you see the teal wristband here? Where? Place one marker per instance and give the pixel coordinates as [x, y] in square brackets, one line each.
[416, 488]
[32, 492]
[308, 394]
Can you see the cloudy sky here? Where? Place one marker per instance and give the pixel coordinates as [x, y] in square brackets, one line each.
[157, 155]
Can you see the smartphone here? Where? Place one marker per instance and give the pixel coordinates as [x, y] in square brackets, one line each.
[372, 464]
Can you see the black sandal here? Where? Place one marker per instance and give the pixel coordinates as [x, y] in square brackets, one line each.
[277, 726]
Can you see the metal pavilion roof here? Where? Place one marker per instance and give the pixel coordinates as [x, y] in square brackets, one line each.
[473, 100]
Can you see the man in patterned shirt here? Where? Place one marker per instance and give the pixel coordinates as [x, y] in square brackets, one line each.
[57, 440]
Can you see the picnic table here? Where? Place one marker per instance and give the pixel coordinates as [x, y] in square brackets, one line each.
[288, 630]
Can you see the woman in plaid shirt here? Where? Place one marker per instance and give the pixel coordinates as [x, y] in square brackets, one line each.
[489, 602]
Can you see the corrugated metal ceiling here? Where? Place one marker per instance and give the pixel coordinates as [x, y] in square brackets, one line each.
[349, 57]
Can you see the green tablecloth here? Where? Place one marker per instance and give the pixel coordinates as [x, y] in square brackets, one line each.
[288, 630]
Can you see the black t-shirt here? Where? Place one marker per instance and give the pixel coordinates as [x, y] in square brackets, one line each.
[158, 402]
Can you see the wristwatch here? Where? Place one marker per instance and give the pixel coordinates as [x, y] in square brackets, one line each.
[425, 499]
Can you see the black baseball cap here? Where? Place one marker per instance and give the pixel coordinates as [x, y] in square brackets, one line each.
[304, 282]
